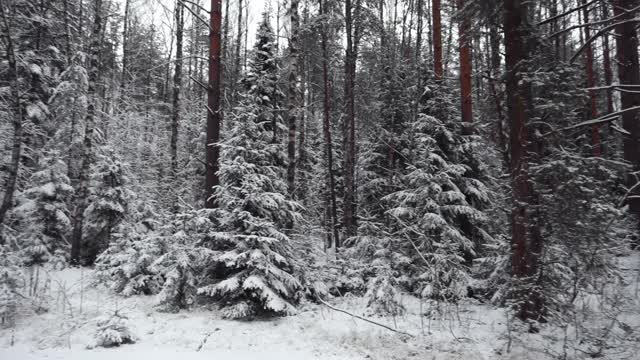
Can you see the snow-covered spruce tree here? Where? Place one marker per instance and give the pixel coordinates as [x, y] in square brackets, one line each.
[126, 265]
[41, 216]
[166, 260]
[374, 254]
[113, 331]
[69, 106]
[186, 260]
[438, 213]
[253, 274]
[579, 211]
[107, 205]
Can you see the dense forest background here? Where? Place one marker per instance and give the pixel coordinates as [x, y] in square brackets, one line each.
[449, 150]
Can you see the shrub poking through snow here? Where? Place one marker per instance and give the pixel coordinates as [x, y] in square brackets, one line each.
[10, 279]
[383, 297]
[114, 331]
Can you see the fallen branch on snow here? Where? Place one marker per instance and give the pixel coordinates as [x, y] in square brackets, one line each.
[364, 319]
[206, 337]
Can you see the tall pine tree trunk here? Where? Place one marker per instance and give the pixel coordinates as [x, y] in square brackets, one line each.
[293, 94]
[591, 83]
[177, 88]
[437, 39]
[67, 32]
[326, 127]
[125, 47]
[525, 236]
[350, 225]
[82, 193]
[214, 115]
[606, 63]
[464, 39]
[236, 64]
[495, 88]
[17, 115]
[629, 76]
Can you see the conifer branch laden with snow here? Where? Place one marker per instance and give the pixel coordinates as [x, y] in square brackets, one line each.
[254, 267]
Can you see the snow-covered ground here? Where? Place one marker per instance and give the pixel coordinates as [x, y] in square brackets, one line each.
[470, 331]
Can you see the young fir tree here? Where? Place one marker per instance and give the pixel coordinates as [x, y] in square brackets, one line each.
[126, 265]
[254, 269]
[166, 261]
[108, 204]
[41, 215]
[423, 198]
[438, 212]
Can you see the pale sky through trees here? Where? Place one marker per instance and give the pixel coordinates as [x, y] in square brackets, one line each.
[160, 12]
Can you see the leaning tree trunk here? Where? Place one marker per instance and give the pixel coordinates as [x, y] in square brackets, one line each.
[18, 115]
[82, 193]
[526, 240]
[293, 95]
[214, 115]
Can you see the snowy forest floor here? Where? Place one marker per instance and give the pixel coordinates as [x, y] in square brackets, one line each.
[470, 331]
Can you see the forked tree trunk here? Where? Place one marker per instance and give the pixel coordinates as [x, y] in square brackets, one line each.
[214, 115]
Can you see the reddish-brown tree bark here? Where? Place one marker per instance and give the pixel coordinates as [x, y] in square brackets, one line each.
[525, 233]
[629, 75]
[464, 39]
[214, 114]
